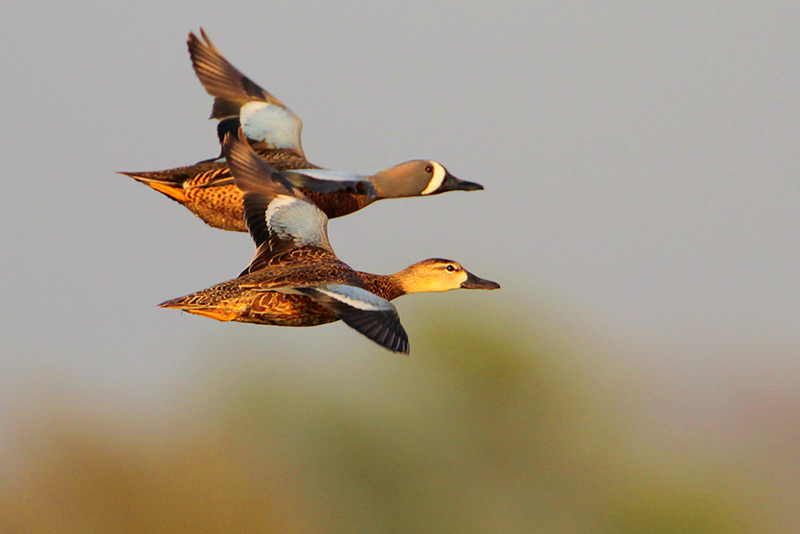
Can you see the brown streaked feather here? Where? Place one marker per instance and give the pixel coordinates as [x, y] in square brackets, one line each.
[207, 189]
[309, 286]
[270, 296]
[178, 175]
[250, 299]
[230, 88]
[287, 310]
[299, 267]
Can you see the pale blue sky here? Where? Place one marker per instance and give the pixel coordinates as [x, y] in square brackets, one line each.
[640, 163]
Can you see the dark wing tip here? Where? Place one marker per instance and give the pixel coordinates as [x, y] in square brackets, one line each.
[381, 326]
[402, 346]
[194, 42]
[230, 140]
[237, 153]
[252, 173]
[230, 88]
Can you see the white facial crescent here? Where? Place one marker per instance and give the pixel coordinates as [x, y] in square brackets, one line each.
[436, 180]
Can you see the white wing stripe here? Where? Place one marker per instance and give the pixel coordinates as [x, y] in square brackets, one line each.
[354, 297]
[332, 176]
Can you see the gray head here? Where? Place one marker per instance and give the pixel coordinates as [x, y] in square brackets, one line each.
[418, 178]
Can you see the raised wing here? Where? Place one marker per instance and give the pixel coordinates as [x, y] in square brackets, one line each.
[363, 311]
[276, 214]
[263, 118]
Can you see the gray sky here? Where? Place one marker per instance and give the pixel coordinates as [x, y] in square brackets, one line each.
[640, 163]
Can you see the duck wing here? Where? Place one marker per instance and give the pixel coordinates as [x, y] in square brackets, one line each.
[277, 215]
[369, 314]
[328, 181]
[240, 101]
[316, 180]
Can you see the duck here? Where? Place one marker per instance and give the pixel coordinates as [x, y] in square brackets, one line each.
[207, 187]
[295, 277]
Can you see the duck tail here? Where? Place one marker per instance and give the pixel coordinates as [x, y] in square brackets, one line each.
[166, 182]
[198, 305]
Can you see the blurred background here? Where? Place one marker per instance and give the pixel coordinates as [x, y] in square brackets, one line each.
[638, 372]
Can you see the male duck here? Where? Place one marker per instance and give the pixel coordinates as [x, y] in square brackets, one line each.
[295, 278]
[207, 189]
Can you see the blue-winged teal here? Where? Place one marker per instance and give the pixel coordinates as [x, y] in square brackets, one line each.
[207, 188]
[295, 278]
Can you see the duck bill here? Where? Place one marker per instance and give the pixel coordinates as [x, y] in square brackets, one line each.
[474, 282]
[451, 183]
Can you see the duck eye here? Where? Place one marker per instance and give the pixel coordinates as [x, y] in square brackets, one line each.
[429, 168]
[450, 267]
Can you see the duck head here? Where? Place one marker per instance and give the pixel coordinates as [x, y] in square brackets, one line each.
[436, 275]
[418, 177]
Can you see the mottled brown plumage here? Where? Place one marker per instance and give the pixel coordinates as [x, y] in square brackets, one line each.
[253, 297]
[207, 189]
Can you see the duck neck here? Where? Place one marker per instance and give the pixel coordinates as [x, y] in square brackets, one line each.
[388, 287]
[388, 186]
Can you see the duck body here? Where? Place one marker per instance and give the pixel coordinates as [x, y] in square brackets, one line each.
[207, 188]
[256, 297]
[273, 294]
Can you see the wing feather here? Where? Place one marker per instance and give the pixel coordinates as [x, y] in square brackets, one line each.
[263, 117]
[374, 317]
[277, 215]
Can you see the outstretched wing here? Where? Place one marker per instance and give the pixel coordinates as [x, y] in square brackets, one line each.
[263, 118]
[276, 214]
[363, 311]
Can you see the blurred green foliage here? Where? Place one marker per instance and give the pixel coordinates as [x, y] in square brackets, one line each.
[484, 428]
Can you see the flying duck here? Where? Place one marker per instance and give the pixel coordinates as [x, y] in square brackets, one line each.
[207, 188]
[295, 278]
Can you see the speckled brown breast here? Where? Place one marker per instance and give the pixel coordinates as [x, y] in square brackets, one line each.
[221, 206]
